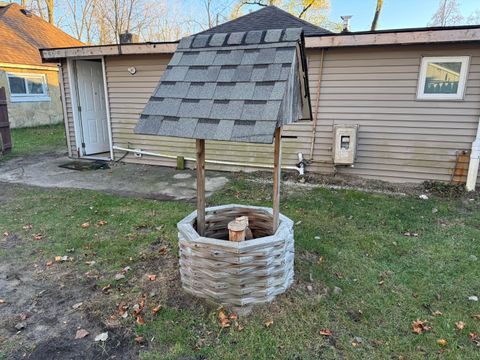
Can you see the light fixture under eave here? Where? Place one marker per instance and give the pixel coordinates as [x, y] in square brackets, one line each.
[132, 70]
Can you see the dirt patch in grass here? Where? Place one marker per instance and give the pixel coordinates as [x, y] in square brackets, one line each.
[38, 319]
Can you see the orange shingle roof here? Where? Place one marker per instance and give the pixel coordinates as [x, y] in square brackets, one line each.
[21, 37]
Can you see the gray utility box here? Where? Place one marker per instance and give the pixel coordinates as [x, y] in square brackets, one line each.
[345, 144]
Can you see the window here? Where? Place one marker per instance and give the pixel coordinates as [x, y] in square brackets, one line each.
[28, 87]
[443, 78]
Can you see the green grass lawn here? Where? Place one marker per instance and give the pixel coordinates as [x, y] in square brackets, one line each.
[28, 141]
[347, 239]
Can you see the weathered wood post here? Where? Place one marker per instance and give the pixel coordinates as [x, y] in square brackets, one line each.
[277, 172]
[200, 144]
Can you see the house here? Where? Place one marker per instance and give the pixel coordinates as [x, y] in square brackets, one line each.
[32, 87]
[396, 105]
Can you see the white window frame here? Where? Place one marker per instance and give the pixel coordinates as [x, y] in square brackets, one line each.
[464, 60]
[29, 97]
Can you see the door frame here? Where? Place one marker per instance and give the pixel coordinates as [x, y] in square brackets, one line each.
[72, 84]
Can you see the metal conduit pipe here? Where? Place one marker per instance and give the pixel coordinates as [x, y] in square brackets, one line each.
[300, 166]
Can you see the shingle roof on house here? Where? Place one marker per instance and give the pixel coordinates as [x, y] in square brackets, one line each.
[268, 17]
[230, 86]
[23, 34]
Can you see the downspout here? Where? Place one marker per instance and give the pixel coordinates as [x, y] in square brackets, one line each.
[474, 162]
[317, 100]
[300, 167]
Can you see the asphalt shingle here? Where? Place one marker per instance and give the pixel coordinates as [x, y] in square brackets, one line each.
[227, 87]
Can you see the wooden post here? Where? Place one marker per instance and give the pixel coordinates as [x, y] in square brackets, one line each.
[200, 144]
[277, 171]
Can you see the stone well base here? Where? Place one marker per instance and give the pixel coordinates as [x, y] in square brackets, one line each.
[236, 273]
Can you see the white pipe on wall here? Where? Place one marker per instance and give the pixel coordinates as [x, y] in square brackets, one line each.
[474, 162]
[300, 169]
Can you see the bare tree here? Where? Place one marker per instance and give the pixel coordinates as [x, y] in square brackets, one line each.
[447, 14]
[82, 19]
[378, 9]
[474, 18]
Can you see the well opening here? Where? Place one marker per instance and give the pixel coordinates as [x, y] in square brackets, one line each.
[216, 222]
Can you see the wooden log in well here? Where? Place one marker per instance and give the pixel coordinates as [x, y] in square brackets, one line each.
[236, 230]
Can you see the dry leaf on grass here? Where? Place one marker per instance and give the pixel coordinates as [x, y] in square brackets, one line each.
[101, 222]
[268, 323]
[38, 236]
[437, 313]
[156, 309]
[49, 263]
[474, 337]
[27, 226]
[239, 326]
[420, 326]
[152, 277]
[6, 233]
[101, 337]
[139, 340]
[140, 320]
[223, 319]
[233, 316]
[163, 250]
[442, 342]
[85, 225]
[476, 316]
[326, 332]
[460, 325]
[81, 333]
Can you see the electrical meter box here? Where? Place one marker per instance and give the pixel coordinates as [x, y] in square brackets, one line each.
[345, 144]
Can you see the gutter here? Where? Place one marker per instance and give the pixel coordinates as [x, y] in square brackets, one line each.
[300, 166]
[474, 162]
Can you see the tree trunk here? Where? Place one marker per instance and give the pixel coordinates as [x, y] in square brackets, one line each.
[51, 19]
[377, 15]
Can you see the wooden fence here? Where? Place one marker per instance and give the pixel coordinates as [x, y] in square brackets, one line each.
[5, 137]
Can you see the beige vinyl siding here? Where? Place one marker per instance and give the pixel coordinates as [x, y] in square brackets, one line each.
[128, 95]
[400, 138]
[68, 105]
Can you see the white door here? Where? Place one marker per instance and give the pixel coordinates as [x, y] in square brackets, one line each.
[92, 111]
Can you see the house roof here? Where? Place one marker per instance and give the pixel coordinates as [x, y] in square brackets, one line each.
[236, 86]
[23, 34]
[269, 17]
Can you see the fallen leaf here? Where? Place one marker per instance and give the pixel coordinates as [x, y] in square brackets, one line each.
[139, 339]
[49, 263]
[156, 309]
[233, 316]
[6, 233]
[119, 276]
[106, 288]
[326, 332]
[239, 326]
[152, 277]
[81, 333]
[77, 305]
[268, 323]
[437, 313]
[38, 236]
[61, 258]
[460, 325]
[140, 320]
[101, 223]
[442, 342]
[339, 275]
[476, 316]
[381, 282]
[27, 226]
[223, 318]
[321, 259]
[101, 337]
[419, 326]
[85, 225]
[90, 263]
[122, 308]
[474, 337]
[163, 250]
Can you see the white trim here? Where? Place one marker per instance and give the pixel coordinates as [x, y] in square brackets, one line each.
[19, 98]
[29, 67]
[464, 60]
[107, 107]
[72, 80]
[27, 97]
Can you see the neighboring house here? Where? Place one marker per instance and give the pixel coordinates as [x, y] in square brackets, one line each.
[397, 105]
[33, 95]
